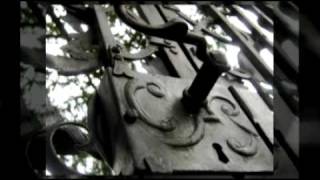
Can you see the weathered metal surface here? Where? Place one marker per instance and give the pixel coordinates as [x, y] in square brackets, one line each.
[169, 139]
[139, 121]
[259, 112]
[173, 126]
[246, 77]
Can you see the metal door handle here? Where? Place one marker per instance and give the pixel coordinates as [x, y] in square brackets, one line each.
[214, 63]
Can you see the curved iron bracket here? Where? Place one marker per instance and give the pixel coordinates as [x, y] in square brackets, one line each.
[57, 166]
[201, 26]
[173, 30]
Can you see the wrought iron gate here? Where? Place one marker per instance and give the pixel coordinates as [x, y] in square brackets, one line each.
[192, 112]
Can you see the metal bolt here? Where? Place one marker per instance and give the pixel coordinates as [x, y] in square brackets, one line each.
[193, 50]
[131, 116]
[116, 49]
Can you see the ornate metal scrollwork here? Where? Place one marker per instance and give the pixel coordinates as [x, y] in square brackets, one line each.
[200, 27]
[164, 118]
[246, 148]
[145, 121]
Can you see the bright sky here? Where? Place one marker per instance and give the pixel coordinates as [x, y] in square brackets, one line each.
[60, 95]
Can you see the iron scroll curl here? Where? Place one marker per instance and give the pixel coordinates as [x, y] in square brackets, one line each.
[174, 29]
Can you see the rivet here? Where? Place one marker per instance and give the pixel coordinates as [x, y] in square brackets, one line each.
[131, 116]
[115, 49]
[193, 50]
